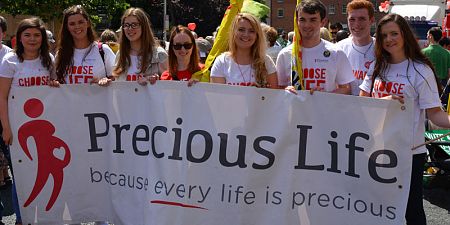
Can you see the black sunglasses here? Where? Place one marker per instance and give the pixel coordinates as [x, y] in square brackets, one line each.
[186, 46]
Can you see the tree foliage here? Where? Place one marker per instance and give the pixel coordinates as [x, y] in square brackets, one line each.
[207, 14]
[52, 9]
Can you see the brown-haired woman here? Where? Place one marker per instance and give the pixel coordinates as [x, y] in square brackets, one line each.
[139, 57]
[183, 55]
[79, 58]
[402, 71]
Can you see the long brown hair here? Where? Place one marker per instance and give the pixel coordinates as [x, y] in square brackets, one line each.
[44, 53]
[258, 49]
[148, 43]
[411, 49]
[65, 46]
[193, 60]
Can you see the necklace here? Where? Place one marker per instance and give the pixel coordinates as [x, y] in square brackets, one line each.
[242, 74]
[363, 53]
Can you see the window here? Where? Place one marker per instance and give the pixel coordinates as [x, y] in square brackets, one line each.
[331, 9]
[344, 9]
[280, 1]
[280, 13]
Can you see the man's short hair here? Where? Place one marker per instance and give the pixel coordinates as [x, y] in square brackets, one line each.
[361, 4]
[3, 24]
[436, 33]
[312, 7]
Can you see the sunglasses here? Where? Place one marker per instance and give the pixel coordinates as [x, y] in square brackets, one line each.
[186, 46]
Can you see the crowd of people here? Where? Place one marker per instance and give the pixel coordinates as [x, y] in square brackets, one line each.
[333, 60]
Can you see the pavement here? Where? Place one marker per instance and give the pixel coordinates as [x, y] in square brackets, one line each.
[436, 204]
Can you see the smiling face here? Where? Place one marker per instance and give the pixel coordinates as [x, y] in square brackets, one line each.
[245, 35]
[359, 23]
[78, 26]
[393, 41]
[132, 28]
[183, 39]
[309, 25]
[31, 39]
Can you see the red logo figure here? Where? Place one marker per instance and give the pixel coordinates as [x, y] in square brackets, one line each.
[42, 131]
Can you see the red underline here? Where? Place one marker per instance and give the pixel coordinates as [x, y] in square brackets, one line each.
[176, 204]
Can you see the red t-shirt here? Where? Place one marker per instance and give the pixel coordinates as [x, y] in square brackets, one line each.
[181, 75]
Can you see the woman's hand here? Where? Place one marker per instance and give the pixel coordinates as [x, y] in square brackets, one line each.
[53, 83]
[395, 97]
[153, 78]
[291, 89]
[7, 135]
[192, 81]
[142, 80]
[104, 82]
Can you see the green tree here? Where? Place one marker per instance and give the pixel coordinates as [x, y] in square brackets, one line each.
[49, 10]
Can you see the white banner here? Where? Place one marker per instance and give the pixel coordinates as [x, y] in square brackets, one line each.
[208, 154]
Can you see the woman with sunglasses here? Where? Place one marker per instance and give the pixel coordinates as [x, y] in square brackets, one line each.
[79, 58]
[30, 64]
[139, 58]
[402, 71]
[246, 62]
[183, 55]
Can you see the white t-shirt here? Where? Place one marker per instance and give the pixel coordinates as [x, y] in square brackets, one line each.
[324, 65]
[160, 56]
[5, 49]
[273, 52]
[360, 58]
[403, 80]
[284, 66]
[236, 74]
[88, 63]
[24, 74]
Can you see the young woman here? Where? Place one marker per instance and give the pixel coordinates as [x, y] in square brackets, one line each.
[246, 62]
[79, 59]
[139, 57]
[400, 63]
[183, 55]
[30, 64]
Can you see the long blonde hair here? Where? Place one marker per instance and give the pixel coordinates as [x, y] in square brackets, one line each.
[258, 49]
[148, 43]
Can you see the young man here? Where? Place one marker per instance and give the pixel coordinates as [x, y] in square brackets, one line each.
[360, 46]
[438, 55]
[325, 66]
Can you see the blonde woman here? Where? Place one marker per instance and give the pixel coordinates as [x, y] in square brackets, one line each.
[246, 62]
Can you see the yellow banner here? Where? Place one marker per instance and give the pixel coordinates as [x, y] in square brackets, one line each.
[221, 40]
[297, 71]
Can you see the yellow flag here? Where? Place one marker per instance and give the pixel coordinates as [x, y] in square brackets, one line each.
[221, 41]
[297, 71]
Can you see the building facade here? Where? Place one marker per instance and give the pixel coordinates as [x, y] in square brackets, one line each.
[282, 13]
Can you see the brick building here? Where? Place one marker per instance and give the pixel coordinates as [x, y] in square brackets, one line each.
[282, 12]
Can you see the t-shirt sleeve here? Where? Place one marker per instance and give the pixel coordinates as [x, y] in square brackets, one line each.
[7, 66]
[367, 82]
[283, 66]
[162, 54]
[218, 68]
[109, 59]
[427, 89]
[270, 65]
[344, 73]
